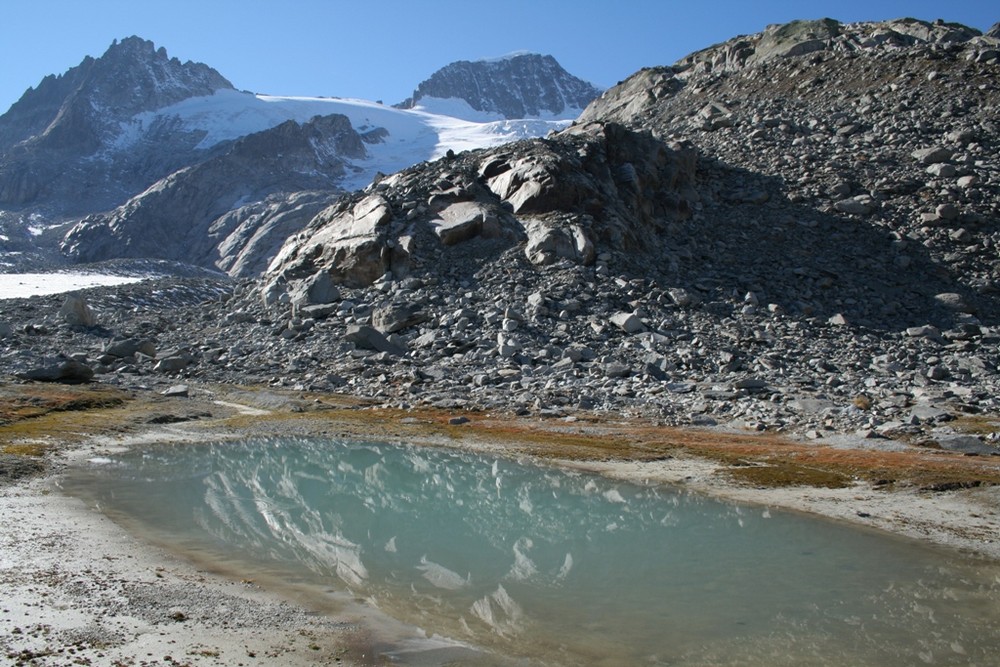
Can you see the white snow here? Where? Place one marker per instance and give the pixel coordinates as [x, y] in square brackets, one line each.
[414, 135]
[508, 56]
[19, 285]
[457, 107]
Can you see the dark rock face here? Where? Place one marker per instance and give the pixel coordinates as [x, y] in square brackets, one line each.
[49, 138]
[521, 86]
[189, 216]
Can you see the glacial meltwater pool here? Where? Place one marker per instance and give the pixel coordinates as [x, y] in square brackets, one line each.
[536, 565]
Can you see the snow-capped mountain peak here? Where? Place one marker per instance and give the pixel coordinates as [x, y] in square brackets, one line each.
[518, 85]
[80, 107]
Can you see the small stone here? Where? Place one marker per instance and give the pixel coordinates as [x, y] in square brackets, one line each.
[853, 206]
[616, 370]
[947, 211]
[961, 235]
[627, 322]
[925, 331]
[937, 373]
[369, 338]
[925, 413]
[942, 170]
[682, 297]
[129, 347]
[750, 383]
[393, 318]
[458, 421]
[952, 301]
[177, 390]
[317, 289]
[929, 156]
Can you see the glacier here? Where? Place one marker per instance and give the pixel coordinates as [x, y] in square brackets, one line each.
[408, 136]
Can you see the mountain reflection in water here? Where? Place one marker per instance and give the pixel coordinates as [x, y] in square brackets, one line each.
[560, 567]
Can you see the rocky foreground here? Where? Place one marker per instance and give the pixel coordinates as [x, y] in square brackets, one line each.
[793, 232]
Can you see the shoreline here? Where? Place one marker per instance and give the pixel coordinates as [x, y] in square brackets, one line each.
[77, 585]
[80, 589]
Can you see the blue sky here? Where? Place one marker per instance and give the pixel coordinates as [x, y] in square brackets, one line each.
[382, 50]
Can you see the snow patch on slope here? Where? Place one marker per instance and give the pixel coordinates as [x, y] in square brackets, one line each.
[22, 285]
[457, 107]
[414, 135]
[508, 56]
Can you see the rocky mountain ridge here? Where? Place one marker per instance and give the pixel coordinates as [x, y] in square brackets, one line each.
[804, 243]
[799, 38]
[524, 85]
[88, 100]
[53, 133]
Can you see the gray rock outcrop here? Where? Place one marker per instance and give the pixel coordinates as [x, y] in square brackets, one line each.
[590, 185]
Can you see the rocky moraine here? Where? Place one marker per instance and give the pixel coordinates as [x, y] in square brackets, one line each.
[792, 232]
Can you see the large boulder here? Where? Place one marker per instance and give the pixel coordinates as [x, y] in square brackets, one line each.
[348, 242]
[592, 185]
[549, 242]
[316, 289]
[66, 371]
[367, 338]
[76, 312]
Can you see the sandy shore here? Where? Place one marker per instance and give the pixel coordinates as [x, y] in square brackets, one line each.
[76, 588]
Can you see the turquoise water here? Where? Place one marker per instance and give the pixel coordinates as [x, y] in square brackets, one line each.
[543, 566]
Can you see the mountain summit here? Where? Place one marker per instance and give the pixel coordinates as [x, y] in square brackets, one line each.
[52, 135]
[522, 85]
[77, 107]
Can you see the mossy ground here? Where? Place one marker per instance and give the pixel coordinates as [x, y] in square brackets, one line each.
[20, 402]
[39, 419]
